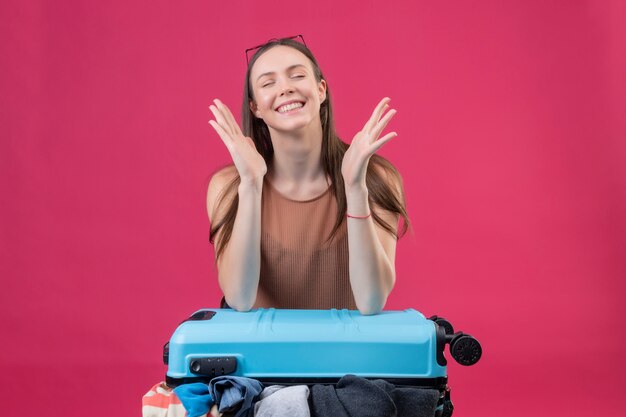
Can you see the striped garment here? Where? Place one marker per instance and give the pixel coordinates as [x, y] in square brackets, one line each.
[161, 401]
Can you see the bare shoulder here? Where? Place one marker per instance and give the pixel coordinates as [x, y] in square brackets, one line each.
[217, 186]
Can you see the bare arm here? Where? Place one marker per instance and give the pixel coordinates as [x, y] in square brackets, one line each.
[372, 252]
[240, 264]
[371, 248]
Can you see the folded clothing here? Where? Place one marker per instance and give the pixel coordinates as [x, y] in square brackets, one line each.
[235, 394]
[162, 401]
[279, 401]
[195, 398]
[359, 397]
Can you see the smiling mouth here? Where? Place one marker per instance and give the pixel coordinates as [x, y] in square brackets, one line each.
[290, 108]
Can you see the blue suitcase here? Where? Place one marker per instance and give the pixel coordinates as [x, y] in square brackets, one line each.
[285, 347]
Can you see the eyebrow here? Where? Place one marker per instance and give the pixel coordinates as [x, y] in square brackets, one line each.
[288, 69]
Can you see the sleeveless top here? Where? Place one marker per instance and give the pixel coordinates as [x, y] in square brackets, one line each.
[300, 267]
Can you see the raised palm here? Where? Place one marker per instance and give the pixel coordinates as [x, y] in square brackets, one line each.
[365, 143]
[248, 161]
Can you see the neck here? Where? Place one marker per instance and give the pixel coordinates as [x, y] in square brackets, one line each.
[297, 155]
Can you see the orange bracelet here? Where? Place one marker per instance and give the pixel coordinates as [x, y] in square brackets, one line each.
[358, 217]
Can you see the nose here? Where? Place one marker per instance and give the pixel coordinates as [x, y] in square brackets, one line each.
[286, 87]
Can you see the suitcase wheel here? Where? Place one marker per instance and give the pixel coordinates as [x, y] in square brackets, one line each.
[465, 349]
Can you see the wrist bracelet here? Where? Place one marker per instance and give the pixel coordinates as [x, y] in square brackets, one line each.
[358, 217]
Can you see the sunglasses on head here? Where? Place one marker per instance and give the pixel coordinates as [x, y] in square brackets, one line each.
[269, 41]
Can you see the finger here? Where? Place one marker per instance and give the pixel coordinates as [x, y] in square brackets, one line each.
[232, 122]
[380, 108]
[222, 134]
[219, 117]
[375, 116]
[225, 114]
[380, 142]
[382, 123]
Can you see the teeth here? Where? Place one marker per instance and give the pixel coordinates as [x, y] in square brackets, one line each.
[288, 107]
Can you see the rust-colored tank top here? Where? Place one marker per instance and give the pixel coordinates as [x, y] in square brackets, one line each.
[299, 267]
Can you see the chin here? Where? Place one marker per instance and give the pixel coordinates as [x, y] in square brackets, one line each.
[291, 125]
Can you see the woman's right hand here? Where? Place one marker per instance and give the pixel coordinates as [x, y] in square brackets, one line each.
[248, 161]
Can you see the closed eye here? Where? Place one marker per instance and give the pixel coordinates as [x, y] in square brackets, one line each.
[267, 84]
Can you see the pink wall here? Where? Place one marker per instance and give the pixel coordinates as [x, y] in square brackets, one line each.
[511, 143]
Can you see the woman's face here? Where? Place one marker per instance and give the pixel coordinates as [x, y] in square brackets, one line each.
[286, 93]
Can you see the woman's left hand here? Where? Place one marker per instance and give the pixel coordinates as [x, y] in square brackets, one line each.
[365, 144]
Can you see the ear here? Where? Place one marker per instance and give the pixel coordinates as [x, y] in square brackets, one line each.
[254, 109]
[322, 91]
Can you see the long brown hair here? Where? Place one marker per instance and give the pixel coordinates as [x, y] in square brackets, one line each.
[380, 191]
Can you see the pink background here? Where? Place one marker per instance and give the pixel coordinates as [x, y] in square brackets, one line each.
[512, 144]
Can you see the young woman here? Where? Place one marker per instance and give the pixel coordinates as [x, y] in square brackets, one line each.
[301, 219]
